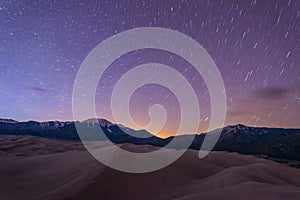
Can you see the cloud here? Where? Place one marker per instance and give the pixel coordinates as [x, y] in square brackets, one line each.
[37, 89]
[234, 112]
[270, 93]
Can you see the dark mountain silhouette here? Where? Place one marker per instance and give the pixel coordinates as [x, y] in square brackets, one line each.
[67, 131]
[271, 142]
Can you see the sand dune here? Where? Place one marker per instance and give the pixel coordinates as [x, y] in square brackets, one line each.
[37, 168]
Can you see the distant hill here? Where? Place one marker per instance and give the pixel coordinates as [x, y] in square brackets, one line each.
[67, 131]
[270, 142]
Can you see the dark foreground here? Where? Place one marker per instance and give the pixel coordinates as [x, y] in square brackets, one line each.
[34, 168]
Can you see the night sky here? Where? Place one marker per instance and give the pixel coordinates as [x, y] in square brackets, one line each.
[255, 45]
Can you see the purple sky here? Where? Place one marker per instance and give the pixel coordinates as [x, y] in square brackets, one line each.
[255, 45]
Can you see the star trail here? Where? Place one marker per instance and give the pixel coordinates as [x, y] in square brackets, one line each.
[255, 45]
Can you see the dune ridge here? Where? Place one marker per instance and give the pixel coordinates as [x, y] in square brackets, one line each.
[35, 168]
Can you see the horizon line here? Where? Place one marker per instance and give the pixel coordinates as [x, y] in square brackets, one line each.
[198, 133]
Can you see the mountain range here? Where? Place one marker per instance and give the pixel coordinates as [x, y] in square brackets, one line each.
[277, 143]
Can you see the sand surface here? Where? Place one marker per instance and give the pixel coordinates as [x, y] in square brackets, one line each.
[37, 168]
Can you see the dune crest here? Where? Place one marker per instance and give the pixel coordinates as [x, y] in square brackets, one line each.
[35, 168]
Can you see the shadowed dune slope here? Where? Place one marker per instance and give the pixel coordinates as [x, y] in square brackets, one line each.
[35, 168]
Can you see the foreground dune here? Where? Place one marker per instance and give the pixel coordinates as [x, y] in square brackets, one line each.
[37, 168]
